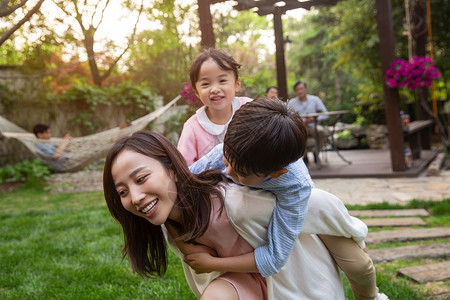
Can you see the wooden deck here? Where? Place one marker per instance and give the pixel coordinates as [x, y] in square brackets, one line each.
[365, 163]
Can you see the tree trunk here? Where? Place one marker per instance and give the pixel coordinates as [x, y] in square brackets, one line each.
[89, 45]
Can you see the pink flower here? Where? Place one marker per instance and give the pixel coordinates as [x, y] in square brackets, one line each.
[420, 71]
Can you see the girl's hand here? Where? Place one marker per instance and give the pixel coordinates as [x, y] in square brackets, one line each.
[200, 262]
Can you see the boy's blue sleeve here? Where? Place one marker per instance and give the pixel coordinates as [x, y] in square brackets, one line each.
[292, 191]
[212, 160]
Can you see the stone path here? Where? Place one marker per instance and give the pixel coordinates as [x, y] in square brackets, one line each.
[429, 272]
[424, 273]
[409, 252]
[391, 190]
[403, 235]
[396, 222]
[389, 212]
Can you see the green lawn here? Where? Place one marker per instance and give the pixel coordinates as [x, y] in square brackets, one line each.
[67, 246]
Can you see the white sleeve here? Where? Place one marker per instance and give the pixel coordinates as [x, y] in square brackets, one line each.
[327, 214]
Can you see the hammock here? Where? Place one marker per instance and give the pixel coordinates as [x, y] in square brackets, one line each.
[81, 150]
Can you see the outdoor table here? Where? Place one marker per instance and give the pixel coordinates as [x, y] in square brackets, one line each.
[338, 114]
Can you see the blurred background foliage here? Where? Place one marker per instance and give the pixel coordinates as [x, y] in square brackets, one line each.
[334, 49]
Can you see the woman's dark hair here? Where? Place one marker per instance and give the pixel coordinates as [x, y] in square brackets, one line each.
[224, 60]
[144, 242]
[271, 87]
[264, 136]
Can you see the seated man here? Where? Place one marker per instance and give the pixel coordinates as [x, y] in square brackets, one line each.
[307, 104]
[43, 132]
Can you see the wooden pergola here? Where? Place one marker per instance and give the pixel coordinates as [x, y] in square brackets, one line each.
[387, 54]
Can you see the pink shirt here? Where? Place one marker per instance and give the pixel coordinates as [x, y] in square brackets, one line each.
[200, 135]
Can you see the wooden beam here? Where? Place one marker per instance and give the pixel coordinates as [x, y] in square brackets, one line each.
[279, 54]
[391, 97]
[266, 7]
[265, 10]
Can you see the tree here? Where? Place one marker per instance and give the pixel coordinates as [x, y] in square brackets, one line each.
[89, 17]
[8, 7]
[161, 57]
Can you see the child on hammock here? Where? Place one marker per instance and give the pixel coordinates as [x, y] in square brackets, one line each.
[215, 79]
[263, 148]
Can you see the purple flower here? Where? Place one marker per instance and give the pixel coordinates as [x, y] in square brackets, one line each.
[420, 71]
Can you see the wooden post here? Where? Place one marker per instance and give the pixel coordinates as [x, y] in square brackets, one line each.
[420, 37]
[206, 25]
[279, 54]
[391, 97]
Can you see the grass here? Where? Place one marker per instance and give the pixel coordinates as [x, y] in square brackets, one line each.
[67, 246]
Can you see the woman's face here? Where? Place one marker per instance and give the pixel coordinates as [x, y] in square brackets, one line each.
[272, 93]
[146, 188]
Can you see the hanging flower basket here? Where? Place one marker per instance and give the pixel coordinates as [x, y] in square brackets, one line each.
[420, 71]
[189, 97]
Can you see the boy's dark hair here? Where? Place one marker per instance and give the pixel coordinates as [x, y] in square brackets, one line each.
[40, 128]
[224, 60]
[299, 82]
[264, 136]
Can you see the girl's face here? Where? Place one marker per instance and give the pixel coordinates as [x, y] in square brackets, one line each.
[215, 87]
[146, 188]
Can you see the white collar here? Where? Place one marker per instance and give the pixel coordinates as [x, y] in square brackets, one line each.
[210, 127]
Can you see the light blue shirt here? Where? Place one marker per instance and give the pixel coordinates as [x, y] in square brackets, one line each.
[49, 151]
[313, 104]
[292, 191]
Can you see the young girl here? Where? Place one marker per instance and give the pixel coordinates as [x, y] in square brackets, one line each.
[215, 79]
[147, 184]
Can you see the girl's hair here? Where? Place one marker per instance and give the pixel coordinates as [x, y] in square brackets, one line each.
[224, 60]
[144, 242]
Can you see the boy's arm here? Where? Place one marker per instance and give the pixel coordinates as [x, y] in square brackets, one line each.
[212, 160]
[292, 191]
[205, 263]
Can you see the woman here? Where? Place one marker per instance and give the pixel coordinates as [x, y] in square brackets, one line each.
[147, 184]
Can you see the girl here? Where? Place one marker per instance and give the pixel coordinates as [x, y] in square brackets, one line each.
[148, 184]
[215, 79]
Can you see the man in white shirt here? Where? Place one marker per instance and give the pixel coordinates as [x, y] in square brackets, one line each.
[307, 104]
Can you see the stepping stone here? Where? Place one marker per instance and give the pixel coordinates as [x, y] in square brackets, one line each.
[382, 222]
[390, 213]
[407, 235]
[444, 296]
[430, 272]
[408, 252]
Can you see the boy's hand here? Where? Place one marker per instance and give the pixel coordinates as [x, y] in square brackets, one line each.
[200, 262]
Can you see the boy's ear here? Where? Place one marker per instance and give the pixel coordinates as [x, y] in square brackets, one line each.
[278, 173]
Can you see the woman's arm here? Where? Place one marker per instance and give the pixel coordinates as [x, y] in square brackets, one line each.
[205, 263]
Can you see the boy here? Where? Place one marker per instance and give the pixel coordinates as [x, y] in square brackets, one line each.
[262, 149]
[55, 154]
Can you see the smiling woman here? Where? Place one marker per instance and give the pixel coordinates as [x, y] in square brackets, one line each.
[148, 188]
